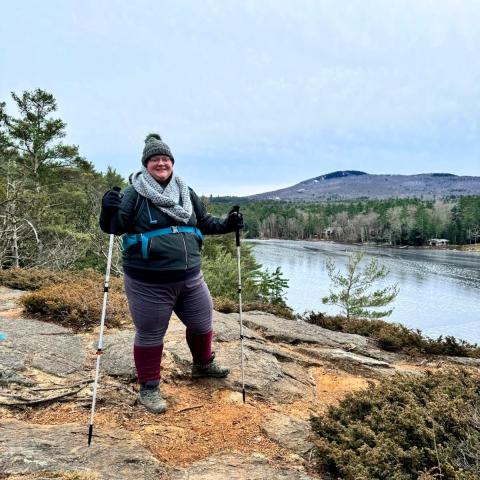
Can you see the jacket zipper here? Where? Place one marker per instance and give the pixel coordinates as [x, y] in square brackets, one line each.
[185, 248]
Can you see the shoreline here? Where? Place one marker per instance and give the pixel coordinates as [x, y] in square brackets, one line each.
[473, 248]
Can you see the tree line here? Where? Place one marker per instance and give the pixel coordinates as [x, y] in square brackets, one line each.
[50, 198]
[391, 221]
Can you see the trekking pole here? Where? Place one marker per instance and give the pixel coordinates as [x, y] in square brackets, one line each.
[237, 237]
[99, 351]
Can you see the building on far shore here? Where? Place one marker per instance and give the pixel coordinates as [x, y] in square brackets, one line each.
[438, 242]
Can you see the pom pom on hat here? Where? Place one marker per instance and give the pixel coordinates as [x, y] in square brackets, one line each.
[153, 135]
[154, 145]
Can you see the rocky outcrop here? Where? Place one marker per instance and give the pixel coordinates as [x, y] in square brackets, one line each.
[9, 298]
[117, 360]
[240, 467]
[296, 332]
[114, 454]
[292, 433]
[45, 346]
[289, 366]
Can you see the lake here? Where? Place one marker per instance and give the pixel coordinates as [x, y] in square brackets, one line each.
[439, 289]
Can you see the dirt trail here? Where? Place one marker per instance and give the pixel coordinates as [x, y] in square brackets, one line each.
[201, 420]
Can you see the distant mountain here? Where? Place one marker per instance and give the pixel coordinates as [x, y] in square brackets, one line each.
[353, 184]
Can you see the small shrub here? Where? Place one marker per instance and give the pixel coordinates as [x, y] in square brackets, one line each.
[225, 305]
[77, 302]
[395, 337]
[405, 428]
[335, 323]
[273, 308]
[388, 339]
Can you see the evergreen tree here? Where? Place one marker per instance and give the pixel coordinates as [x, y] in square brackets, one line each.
[351, 291]
[35, 135]
[49, 195]
[273, 286]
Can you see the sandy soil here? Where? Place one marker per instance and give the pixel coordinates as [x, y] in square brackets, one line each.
[199, 422]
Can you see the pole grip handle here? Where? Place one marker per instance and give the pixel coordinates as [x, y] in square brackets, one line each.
[236, 208]
[113, 220]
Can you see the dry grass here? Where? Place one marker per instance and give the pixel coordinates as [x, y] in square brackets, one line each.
[225, 305]
[32, 278]
[77, 302]
[71, 299]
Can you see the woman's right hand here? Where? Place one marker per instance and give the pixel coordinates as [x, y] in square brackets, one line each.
[111, 200]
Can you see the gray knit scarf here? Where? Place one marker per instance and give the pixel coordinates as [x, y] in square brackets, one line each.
[174, 199]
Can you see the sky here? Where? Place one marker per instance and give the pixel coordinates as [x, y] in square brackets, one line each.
[252, 96]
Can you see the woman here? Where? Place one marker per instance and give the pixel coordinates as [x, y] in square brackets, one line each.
[164, 222]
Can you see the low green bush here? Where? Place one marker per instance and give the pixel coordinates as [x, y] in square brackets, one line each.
[406, 428]
[395, 337]
[259, 287]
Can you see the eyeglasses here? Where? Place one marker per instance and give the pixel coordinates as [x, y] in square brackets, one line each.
[159, 159]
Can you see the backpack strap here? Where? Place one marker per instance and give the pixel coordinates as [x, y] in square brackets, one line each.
[139, 202]
[142, 239]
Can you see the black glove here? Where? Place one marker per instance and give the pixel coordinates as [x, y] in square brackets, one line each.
[235, 219]
[111, 200]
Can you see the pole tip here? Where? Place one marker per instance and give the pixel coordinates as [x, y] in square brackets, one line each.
[243, 394]
[90, 434]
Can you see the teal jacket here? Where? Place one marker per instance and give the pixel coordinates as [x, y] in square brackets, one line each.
[178, 251]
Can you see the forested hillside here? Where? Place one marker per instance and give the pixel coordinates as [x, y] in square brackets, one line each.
[392, 221]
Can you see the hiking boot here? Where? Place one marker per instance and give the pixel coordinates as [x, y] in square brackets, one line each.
[152, 400]
[210, 369]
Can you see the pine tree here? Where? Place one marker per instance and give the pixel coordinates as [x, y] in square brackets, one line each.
[352, 291]
[49, 195]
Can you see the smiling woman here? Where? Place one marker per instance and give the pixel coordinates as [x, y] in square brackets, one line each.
[163, 223]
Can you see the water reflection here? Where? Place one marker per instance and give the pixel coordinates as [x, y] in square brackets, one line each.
[439, 290]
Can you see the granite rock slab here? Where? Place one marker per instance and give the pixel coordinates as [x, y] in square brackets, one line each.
[241, 467]
[291, 331]
[291, 433]
[37, 448]
[265, 376]
[47, 347]
[117, 359]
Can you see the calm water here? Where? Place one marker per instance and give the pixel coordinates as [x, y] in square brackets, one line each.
[439, 289]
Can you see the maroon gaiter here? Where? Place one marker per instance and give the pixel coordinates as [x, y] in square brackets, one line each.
[147, 362]
[200, 346]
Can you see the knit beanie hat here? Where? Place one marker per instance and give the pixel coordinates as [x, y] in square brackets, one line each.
[155, 146]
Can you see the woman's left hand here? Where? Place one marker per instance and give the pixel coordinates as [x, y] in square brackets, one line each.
[235, 219]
